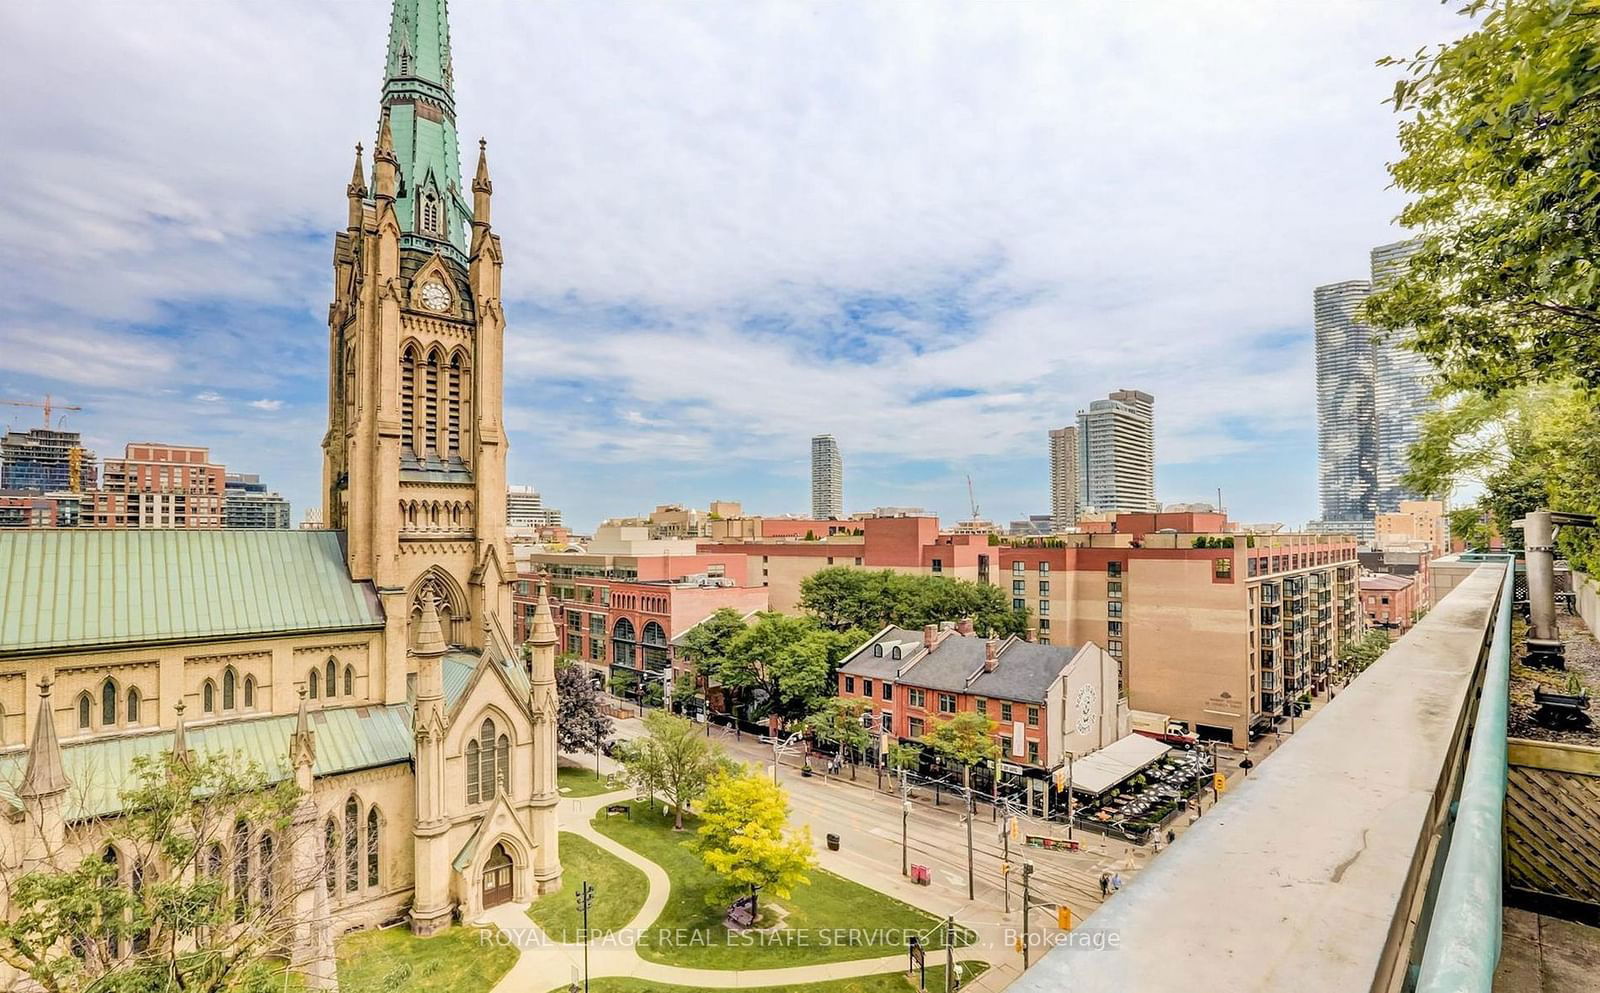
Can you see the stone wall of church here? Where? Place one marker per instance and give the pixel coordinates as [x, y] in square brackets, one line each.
[265, 676]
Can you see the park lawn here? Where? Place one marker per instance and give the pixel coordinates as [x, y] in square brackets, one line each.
[619, 891]
[884, 982]
[573, 781]
[457, 960]
[690, 932]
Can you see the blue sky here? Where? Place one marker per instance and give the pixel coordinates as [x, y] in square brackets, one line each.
[934, 231]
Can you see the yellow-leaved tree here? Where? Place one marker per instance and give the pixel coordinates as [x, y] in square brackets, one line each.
[745, 841]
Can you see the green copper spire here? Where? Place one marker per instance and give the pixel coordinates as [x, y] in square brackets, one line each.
[419, 101]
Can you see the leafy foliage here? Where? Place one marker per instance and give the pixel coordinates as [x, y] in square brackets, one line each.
[743, 840]
[1536, 446]
[838, 722]
[786, 662]
[580, 723]
[842, 598]
[965, 739]
[1358, 656]
[1499, 157]
[161, 917]
[673, 758]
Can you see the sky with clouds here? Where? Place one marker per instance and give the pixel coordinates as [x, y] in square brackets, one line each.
[933, 230]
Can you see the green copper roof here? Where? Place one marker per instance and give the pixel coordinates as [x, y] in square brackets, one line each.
[348, 738]
[418, 96]
[77, 589]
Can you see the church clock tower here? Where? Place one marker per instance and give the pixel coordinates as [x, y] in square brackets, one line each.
[415, 454]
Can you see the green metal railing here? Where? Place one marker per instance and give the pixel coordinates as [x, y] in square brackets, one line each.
[1462, 945]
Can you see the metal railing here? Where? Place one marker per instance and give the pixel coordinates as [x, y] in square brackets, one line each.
[1462, 944]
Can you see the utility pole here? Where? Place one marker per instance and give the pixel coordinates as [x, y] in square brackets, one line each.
[1069, 796]
[597, 745]
[905, 818]
[966, 785]
[1005, 861]
[1027, 936]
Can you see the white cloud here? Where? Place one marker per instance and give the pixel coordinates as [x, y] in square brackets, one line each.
[209, 397]
[266, 404]
[1109, 195]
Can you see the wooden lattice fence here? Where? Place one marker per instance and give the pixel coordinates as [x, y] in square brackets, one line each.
[1552, 823]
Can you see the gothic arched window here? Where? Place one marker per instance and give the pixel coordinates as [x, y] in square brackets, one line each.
[430, 406]
[453, 423]
[83, 711]
[352, 836]
[268, 864]
[241, 868]
[108, 702]
[488, 762]
[311, 683]
[330, 855]
[373, 822]
[208, 697]
[331, 680]
[430, 213]
[349, 681]
[408, 402]
[249, 692]
[133, 705]
[230, 682]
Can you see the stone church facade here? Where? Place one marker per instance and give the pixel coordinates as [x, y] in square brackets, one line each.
[371, 662]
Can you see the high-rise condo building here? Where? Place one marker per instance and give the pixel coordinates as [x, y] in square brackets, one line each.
[1117, 453]
[247, 503]
[158, 486]
[1063, 478]
[1371, 395]
[827, 479]
[44, 459]
[1346, 422]
[526, 512]
[1403, 387]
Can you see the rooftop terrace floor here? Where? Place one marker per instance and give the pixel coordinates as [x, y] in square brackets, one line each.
[1546, 955]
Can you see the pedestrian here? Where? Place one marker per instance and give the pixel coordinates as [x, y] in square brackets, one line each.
[1171, 835]
[1105, 885]
[1116, 882]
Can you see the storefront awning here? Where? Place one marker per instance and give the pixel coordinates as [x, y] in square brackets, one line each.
[1099, 771]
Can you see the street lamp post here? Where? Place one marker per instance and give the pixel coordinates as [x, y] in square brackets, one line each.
[585, 897]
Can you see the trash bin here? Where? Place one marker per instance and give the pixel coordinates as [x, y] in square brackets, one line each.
[833, 843]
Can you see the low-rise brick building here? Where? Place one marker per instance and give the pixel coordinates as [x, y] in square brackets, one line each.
[1048, 701]
[1390, 602]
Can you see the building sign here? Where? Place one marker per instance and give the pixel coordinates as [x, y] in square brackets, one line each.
[1223, 704]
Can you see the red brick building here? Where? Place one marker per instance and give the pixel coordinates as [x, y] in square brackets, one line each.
[623, 627]
[158, 486]
[1390, 602]
[1047, 701]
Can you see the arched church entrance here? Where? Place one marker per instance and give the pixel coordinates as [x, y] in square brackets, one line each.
[498, 877]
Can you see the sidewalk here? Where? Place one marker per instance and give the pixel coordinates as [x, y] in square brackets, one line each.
[543, 963]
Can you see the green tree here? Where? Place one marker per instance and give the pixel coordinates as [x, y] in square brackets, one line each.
[788, 661]
[1535, 446]
[842, 598]
[1498, 157]
[743, 838]
[838, 722]
[160, 917]
[675, 758]
[965, 740]
[1356, 657]
[705, 648]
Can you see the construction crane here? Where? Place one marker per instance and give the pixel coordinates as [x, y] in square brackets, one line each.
[971, 497]
[47, 405]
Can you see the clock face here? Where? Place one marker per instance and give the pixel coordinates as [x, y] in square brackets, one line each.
[434, 296]
[1086, 697]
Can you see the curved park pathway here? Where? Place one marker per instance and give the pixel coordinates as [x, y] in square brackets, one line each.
[545, 965]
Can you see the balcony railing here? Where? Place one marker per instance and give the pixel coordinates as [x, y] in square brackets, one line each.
[1393, 798]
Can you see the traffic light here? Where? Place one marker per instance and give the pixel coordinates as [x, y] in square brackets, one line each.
[1064, 917]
